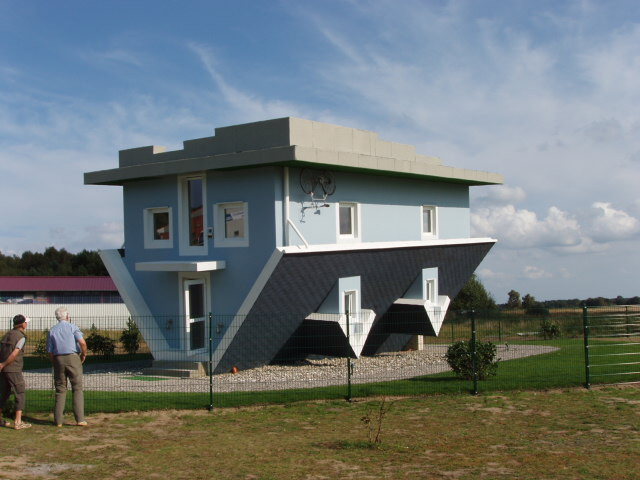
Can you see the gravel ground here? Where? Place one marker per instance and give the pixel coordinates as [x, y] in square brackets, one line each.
[315, 371]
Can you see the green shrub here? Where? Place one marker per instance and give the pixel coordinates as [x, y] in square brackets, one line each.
[100, 344]
[131, 337]
[538, 310]
[460, 358]
[41, 345]
[549, 329]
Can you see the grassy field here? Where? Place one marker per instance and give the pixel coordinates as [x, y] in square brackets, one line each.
[559, 434]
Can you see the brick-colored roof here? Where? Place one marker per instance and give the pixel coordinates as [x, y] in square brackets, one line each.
[56, 284]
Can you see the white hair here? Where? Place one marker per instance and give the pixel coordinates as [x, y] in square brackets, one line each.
[62, 313]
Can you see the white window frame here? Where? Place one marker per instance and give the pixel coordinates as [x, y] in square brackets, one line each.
[183, 217]
[355, 221]
[352, 295]
[147, 225]
[219, 238]
[355, 320]
[433, 213]
[431, 291]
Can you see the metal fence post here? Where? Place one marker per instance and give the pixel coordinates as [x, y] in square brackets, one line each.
[585, 329]
[349, 392]
[210, 369]
[452, 335]
[626, 319]
[474, 354]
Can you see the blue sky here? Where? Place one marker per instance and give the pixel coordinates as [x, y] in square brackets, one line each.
[545, 93]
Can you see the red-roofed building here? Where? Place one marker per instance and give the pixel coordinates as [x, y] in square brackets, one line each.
[58, 289]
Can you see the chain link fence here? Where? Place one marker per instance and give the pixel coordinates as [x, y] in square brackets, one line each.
[174, 362]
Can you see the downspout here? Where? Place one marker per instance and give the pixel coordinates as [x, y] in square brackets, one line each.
[286, 221]
[285, 208]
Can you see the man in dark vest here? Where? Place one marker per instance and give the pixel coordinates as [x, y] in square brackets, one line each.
[11, 362]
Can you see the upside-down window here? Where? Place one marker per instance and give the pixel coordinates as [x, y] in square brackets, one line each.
[192, 215]
[157, 225]
[429, 221]
[231, 224]
[430, 290]
[350, 307]
[430, 285]
[348, 220]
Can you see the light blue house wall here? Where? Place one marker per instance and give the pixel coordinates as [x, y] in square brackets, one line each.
[390, 208]
[257, 187]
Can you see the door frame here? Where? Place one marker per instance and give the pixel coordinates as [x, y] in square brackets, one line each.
[185, 280]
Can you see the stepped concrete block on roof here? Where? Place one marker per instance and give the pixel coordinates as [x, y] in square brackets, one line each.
[287, 142]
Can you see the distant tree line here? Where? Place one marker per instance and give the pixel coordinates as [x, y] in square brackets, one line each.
[528, 302]
[53, 262]
[474, 296]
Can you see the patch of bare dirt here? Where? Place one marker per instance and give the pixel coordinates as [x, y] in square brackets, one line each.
[19, 466]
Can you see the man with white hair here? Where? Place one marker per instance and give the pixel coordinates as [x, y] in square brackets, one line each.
[67, 351]
[11, 363]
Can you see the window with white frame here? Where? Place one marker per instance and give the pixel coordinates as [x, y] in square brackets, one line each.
[429, 221]
[157, 224]
[430, 291]
[349, 302]
[231, 220]
[192, 215]
[348, 220]
[350, 310]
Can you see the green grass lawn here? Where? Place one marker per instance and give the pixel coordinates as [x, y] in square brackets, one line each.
[554, 435]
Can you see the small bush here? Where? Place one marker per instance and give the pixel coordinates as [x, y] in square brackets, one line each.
[538, 310]
[41, 345]
[460, 359]
[100, 344]
[549, 330]
[131, 337]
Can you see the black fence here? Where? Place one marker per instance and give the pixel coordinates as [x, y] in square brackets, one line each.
[173, 362]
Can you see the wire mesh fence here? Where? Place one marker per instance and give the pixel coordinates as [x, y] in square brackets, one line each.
[216, 360]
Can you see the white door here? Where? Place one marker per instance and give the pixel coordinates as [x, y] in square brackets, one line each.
[195, 305]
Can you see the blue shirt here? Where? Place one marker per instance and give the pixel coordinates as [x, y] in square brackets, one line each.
[62, 338]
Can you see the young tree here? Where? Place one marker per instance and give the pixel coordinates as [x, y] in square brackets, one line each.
[528, 301]
[514, 300]
[473, 296]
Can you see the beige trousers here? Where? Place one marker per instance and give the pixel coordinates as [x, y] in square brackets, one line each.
[68, 367]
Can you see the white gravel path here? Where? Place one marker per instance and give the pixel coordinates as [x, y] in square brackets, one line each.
[315, 371]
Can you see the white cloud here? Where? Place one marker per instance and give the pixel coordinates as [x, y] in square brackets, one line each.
[521, 228]
[613, 65]
[248, 106]
[608, 223]
[560, 230]
[604, 131]
[487, 273]
[498, 195]
[535, 273]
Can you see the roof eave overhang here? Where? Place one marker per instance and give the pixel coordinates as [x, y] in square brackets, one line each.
[292, 156]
